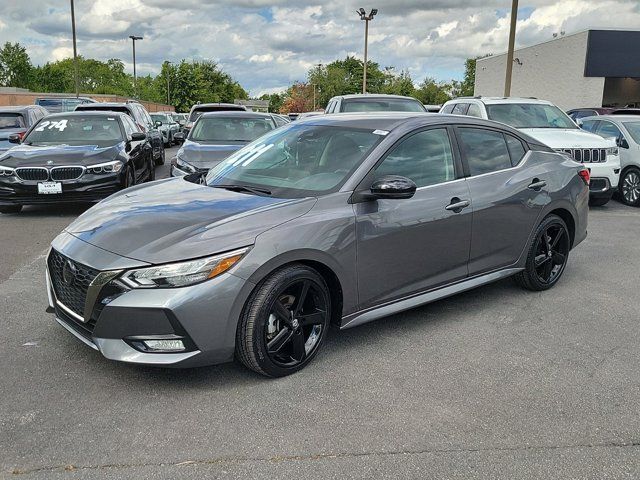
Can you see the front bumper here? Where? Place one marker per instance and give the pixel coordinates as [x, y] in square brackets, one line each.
[604, 179]
[88, 188]
[205, 316]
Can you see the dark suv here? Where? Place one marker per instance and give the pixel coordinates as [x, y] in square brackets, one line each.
[18, 120]
[142, 118]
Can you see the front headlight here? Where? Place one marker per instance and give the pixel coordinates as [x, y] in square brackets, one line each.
[6, 171]
[612, 151]
[187, 167]
[105, 168]
[184, 273]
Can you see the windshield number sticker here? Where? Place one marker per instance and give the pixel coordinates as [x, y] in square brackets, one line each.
[61, 125]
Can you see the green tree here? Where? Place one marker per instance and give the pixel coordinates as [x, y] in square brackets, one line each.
[275, 101]
[398, 84]
[431, 92]
[15, 66]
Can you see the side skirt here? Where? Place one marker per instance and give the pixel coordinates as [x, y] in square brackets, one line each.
[407, 303]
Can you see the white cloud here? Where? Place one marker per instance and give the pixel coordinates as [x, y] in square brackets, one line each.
[267, 44]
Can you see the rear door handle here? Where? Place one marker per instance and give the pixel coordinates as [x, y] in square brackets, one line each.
[537, 184]
[457, 205]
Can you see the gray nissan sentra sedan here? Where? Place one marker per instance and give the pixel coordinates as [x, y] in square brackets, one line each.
[336, 219]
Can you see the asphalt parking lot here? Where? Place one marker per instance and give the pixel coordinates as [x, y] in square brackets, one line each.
[493, 383]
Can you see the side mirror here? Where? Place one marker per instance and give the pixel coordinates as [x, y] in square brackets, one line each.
[393, 187]
[138, 136]
[179, 137]
[620, 142]
[157, 123]
[14, 138]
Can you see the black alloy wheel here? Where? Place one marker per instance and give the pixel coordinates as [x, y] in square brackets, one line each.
[547, 256]
[630, 187]
[285, 322]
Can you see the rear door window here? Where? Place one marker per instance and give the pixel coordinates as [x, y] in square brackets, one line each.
[12, 120]
[448, 108]
[474, 111]
[608, 130]
[484, 150]
[590, 125]
[460, 109]
[516, 149]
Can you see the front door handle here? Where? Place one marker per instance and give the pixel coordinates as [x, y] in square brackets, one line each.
[457, 205]
[537, 185]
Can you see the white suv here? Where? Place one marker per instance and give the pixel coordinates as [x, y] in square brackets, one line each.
[549, 125]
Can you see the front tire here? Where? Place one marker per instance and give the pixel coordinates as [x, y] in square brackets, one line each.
[547, 256]
[284, 322]
[10, 208]
[129, 177]
[161, 160]
[151, 166]
[629, 187]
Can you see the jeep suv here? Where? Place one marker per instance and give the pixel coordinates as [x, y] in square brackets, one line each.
[142, 118]
[549, 125]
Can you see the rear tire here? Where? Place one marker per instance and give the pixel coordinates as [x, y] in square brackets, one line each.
[547, 256]
[629, 187]
[284, 322]
[10, 208]
[160, 161]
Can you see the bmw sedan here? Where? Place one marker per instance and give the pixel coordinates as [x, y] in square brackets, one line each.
[74, 157]
[338, 219]
[215, 136]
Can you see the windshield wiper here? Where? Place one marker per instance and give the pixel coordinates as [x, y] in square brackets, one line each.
[244, 188]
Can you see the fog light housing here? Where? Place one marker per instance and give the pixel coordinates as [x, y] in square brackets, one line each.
[173, 345]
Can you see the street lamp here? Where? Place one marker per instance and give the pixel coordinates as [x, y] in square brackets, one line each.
[75, 51]
[367, 18]
[135, 78]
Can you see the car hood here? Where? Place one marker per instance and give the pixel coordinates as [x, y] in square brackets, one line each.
[173, 219]
[32, 156]
[568, 138]
[205, 156]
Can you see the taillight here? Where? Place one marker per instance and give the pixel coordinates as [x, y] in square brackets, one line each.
[585, 175]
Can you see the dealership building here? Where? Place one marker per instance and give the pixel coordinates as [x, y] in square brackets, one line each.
[592, 68]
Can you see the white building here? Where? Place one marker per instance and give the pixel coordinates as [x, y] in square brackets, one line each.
[592, 68]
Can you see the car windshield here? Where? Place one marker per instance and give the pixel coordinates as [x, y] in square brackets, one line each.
[382, 105]
[227, 129]
[159, 118]
[297, 160]
[102, 131]
[529, 115]
[11, 120]
[634, 130]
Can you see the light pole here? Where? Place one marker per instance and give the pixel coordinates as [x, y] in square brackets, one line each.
[367, 18]
[168, 72]
[512, 41]
[135, 78]
[75, 51]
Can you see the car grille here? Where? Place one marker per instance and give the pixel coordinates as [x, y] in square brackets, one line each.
[84, 329]
[586, 155]
[70, 281]
[66, 173]
[32, 173]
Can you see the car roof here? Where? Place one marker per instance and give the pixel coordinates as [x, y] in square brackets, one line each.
[235, 113]
[373, 96]
[105, 105]
[18, 108]
[85, 113]
[613, 118]
[502, 100]
[392, 120]
[204, 105]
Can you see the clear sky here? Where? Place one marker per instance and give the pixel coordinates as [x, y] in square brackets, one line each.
[267, 44]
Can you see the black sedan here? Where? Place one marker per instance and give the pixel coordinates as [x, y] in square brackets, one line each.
[74, 157]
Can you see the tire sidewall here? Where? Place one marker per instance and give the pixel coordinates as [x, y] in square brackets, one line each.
[530, 266]
[258, 307]
[624, 200]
